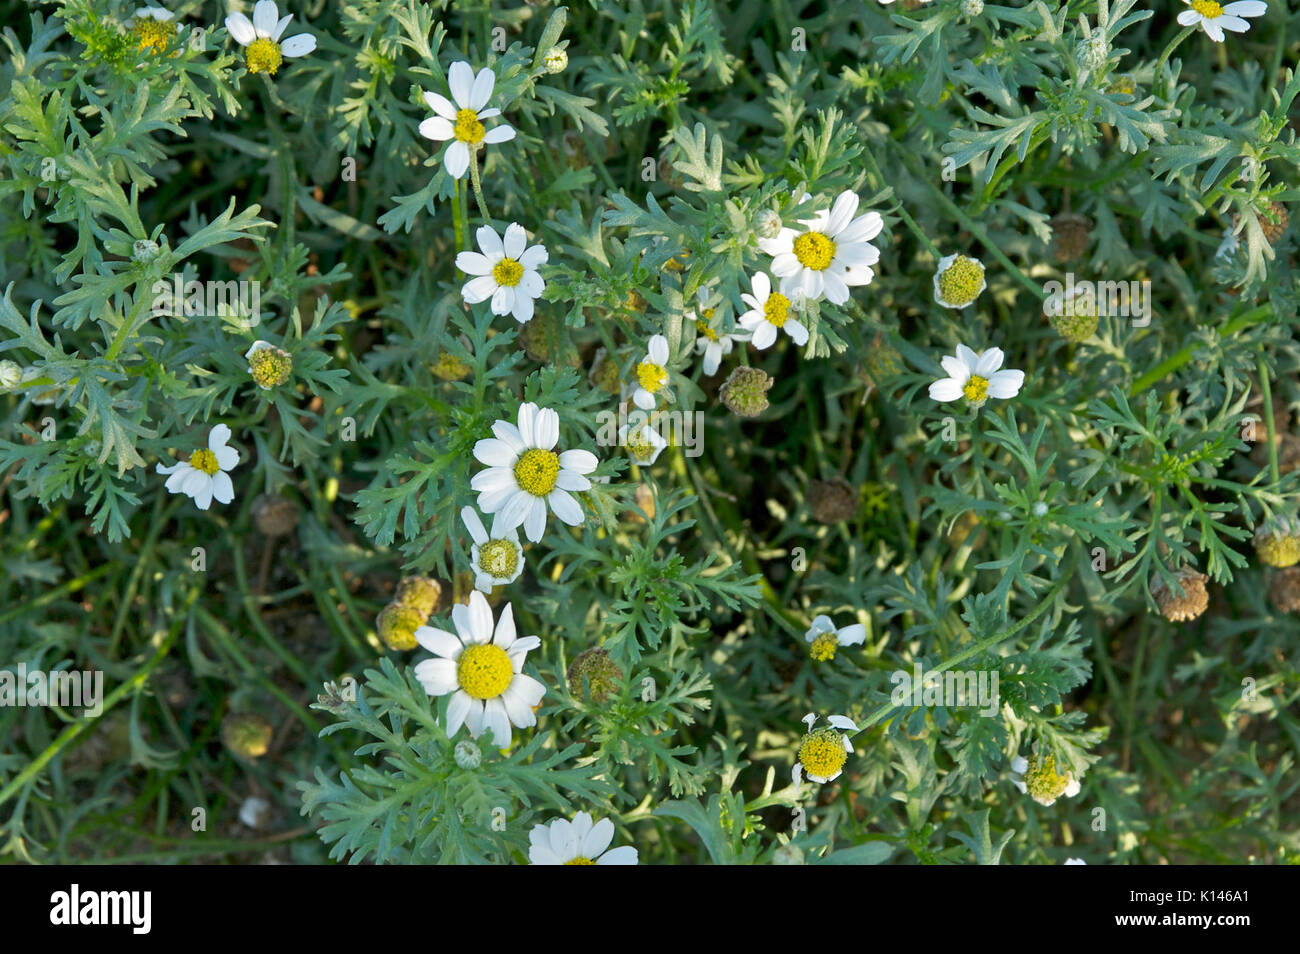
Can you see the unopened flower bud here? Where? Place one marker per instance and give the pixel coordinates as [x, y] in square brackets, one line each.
[1284, 590]
[1277, 542]
[555, 60]
[768, 224]
[467, 755]
[419, 593]
[11, 374]
[397, 625]
[246, 734]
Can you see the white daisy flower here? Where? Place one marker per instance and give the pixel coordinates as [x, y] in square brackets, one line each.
[461, 117]
[643, 442]
[524, 475]
[1075, 861]
[823, 752]
[824, 638]
[652, 374]
[958, 281]
[263, 51]
[1214, 18]
[506, 271]
[268, 365]
[153, 28]
[832, 253]
[1038, 778]
[976, 377]
[498, 559]
[770, 312]
[203, 477]
[482, 667]
[708, 316]
[577, 842]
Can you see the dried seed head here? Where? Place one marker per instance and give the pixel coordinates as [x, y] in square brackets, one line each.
[832, 501]
[1273, 224]
[604, 372]
[419, 593]
[1070, 236]
[275, 516]
[745, 391]
[397, 625]
[1284, 590]
[594, 676]
[1184, 607]
[1277, 542]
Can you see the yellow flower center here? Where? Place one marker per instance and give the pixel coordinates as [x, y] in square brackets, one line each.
[1042, 780]
[468, 129]
[153, 34]
[814, 251]
[205, 461]
[580, 861]
[1207, 8]
[706, 331]
[777, 309]
[1278, 550]
[651, 376]
[976, 389]
[270, 367]
[536, 471]
[822, 753]
[823, 649]
[639, 446]
[263, 56]
[507, 272]
[484, 671]
[960, 282]
[498, 558]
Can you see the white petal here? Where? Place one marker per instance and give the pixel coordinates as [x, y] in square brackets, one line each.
[474, 524]
[851, 636]
[598, 839]
[565, 507]
[456, 160]
[489, 242]
[458, 711]
[441, 105]
[478, 289]
[223, 491]
[498, 134]
[460, 79]
[1246, 8]
[579, 461]
[481, 91]
[473, 263]
[945, 390]
[535, 522]
[515, 241]
[495, 453]
[797, 332]
[298, 45]
[505, 631]
[534, 256]
[528, 423]
[241, 28]
[480, 618]
[842, 212]
[265, 18]
[1188, 17]
[966, 356]
[624, 855]
[437, 676]
[439, 641]
[988, 362]
[439, 130]
[1006, 384]
[658, 350]
[1215, 33]
[1233, 24]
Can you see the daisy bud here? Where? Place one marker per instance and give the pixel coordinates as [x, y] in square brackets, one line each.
[1077, 319]
[467, 755]
[269, 366]
[1278, 542]
[958, 281]
[555, 60]
[275, 516]
[745, 391]
[246, 734]
[11, 374]
[594, 676]
[1092, 53]
[604, 373]
[448, 367]
[768, 224]
[397, 625]
[1187, 606]
[972, 8]
[832, 501]
[1070, 235]
[144, 251]
[419, 593]
[1284, 590]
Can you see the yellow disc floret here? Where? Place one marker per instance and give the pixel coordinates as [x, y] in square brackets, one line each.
[498, 558]
[484, 670]
[468, 129]
[814, 251]
[205, 461]
[263, 56]
[960, 283]
[536, 471]
[639, 446]
[270, 367]
[776, 309]
[507, 272]
[976, 389]
[822, 753]
[153, 34]
[1207, 8]
[1043, 782]
[580, 860]
[706, 331]
[651, 376]
[823, 647]
[1277, 550]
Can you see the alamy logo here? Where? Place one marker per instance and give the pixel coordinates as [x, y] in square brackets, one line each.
[1105, 299]
[676, 428]
[67, 689]
[952, 689]
[102, 907]
[240, 301]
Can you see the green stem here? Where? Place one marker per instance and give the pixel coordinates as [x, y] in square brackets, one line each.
[458, 218]
[478, 187]
[1164, 57]
[1182, 356]
[1266, 388]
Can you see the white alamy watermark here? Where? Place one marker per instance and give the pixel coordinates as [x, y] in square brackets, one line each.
[1130, 299]
[684, 429]
[67, 689]
[73, 907]
[954, 688]
[240, 301]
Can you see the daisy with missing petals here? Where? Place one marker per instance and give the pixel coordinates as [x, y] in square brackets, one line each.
[643, 442]
[460, 118]
[153, 27]
[958, 281]
[498, 559]
[831, 254]
[524, 475]
[1038, 779]
[260, 39]
[482, 667]
[824, 638]
[770, 312]
[710, 342]
[203, 477]
[823, 752]
[1214, 18]
[652, 374]
[506, 271]
[976, 377]
[577, 842]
